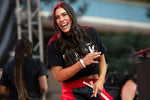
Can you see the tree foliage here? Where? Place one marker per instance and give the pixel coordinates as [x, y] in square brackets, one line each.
[121, 49]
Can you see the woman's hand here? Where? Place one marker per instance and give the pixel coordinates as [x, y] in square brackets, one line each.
[97, 87]
[89, 58]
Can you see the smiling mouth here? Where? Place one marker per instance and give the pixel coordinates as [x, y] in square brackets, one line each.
[64, 26]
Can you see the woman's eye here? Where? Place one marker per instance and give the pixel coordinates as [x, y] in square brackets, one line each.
[56, 17]
[64, 14]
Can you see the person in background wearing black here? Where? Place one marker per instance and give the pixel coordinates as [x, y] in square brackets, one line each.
[75, 55]
[129, 90]
[24, 78]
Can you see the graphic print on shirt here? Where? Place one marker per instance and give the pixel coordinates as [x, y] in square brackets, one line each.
[90, 48]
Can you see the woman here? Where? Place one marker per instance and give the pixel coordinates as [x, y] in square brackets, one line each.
[24, 78]
[76, 55]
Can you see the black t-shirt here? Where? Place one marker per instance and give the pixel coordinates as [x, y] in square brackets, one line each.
[33, 69]
[55, 56]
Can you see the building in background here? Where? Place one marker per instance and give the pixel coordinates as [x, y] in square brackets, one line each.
[108, 15]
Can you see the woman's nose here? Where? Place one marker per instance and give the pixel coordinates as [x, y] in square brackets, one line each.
[61, 18]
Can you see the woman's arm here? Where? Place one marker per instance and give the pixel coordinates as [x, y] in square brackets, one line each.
[4, 91]
[62, 74]
[43, 85]
[98, 86]
[102, 68]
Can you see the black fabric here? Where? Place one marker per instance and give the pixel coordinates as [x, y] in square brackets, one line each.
[114, 83]
[84, 93]
[55, 56]
[95, 37]
[33, 69]
[8, 30]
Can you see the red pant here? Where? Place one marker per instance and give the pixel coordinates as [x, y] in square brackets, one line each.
[76, 90]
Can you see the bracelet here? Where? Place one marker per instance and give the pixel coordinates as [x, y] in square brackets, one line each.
[82, 62]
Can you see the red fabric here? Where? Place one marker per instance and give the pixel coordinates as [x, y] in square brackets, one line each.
[107, 95]
[68, 86]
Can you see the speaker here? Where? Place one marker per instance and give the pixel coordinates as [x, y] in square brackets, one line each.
[143, 79]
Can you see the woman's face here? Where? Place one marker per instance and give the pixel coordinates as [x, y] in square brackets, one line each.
[63, 20]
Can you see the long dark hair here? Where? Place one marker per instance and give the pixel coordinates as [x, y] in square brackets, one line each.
[74, 44]
[23, 47]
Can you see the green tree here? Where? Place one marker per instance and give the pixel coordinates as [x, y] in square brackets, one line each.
[121, 49]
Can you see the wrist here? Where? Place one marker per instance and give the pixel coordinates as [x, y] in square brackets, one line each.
[102, 79]
[82, 63]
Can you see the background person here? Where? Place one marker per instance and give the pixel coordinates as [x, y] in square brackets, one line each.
[24, 78]
[129, 90]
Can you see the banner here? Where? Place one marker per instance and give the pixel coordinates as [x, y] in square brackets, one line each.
[8, 30]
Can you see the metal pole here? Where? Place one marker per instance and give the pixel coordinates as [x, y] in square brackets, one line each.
[40, 32]
[40, 37]
[18, 19]
[29, 20]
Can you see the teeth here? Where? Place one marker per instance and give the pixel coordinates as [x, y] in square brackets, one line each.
[64, 24]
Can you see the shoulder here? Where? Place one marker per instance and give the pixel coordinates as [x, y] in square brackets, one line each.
[9, 65]
[91, 32]
[34, 64]
[89, 28]
[34, 61]
[53, 44]
[52, 40]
